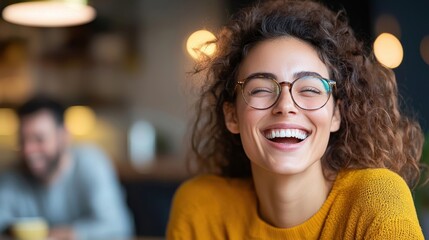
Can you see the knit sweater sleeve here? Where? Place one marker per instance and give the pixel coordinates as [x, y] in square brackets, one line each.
[388, 208]
[396, 229]
[183, 215]
[194, 211]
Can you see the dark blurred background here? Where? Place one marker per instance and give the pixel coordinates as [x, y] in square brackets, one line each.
[130, 65]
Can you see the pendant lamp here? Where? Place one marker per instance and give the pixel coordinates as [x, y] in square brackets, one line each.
[49, 13]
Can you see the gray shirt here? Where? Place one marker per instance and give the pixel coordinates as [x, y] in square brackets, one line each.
[87, 197]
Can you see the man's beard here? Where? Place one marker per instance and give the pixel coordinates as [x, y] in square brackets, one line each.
[52, 162]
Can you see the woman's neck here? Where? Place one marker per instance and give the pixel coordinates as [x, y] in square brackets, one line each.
[289, 200]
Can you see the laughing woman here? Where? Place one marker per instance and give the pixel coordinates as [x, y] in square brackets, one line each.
[299, 134]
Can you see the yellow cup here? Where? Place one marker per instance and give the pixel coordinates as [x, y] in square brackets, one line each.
[30, 229]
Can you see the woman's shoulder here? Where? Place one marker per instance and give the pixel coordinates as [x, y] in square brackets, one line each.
[214, 184]
[375, 188]
[203, 205]
[378, 178]
[212, 190]
[378, 200]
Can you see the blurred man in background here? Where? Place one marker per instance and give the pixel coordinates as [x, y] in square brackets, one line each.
[74, 189]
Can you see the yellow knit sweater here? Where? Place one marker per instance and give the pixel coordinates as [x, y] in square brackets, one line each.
[363, 204]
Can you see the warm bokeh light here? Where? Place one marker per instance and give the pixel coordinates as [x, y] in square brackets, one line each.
[198, 44]
[387, 23]
[388, 50]
[424, 49]
[8, 122]
[80, 120]
[52, 13]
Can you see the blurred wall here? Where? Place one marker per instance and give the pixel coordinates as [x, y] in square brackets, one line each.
[129, 64]
[413, 74]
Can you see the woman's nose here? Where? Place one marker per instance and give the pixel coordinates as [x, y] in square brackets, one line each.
[285, 103]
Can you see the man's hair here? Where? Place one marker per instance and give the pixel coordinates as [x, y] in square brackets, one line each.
[40, 103]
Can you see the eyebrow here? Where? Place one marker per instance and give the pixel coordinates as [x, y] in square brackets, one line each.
[273, 76]
[305, 74]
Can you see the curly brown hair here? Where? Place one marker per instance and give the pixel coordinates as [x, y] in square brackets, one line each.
[373, 132]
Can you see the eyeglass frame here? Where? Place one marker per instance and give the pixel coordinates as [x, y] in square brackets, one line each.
[331, 83]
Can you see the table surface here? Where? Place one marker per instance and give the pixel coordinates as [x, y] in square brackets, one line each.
[163, 168]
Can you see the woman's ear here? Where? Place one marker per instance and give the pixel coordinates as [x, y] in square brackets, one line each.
[231, 120]
[336, 118]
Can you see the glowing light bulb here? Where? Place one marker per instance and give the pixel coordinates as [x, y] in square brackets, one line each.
[52, 13]
[80, 120]
[200, 44]
[8, 122]
[388, 50]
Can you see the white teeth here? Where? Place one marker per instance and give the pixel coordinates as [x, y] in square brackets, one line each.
[281, 133]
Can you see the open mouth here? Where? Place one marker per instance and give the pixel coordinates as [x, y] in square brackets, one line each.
[287, 136]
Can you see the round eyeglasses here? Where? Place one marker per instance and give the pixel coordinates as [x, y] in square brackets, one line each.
[262, 91]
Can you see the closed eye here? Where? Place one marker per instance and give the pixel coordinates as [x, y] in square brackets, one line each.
[260, 92]
[310, 91]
